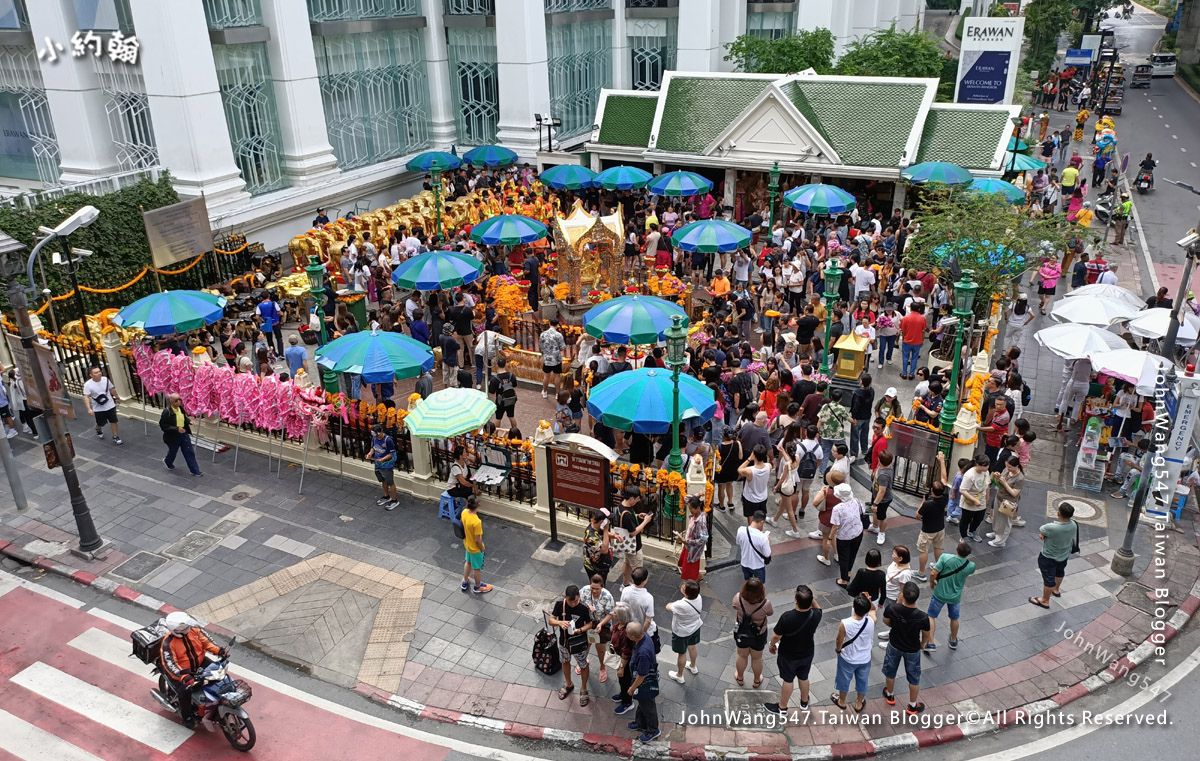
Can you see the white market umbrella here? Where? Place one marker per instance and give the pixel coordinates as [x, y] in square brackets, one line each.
[1155, 322]
[1141, 368]
[1108, 291]
[1071, 341]
[1092, 310]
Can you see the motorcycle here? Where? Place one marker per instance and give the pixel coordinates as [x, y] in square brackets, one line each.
[1145, 182]
[217, 697]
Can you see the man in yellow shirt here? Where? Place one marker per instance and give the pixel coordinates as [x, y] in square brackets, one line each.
[1070, 177]
[472, 539]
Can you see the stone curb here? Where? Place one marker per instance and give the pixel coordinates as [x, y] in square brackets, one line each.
[679, 751]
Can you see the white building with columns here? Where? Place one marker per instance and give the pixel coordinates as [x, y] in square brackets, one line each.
[271, 108]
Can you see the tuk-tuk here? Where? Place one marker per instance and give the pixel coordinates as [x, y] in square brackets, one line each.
[1142, 74]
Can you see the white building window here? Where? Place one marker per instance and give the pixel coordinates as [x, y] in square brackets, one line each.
[29, 149]
[652, 48]
[248, 95]
[375, 92]
[580, 64]
[474, 83]
[772, 25]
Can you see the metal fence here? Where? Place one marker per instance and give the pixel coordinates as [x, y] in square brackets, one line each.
[518, 486]
[75, 358]
[353, 441]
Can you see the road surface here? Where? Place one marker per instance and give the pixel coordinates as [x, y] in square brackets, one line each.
[69, 691]
[1161, 120]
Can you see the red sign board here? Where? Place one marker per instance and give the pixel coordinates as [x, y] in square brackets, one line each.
[581, 478]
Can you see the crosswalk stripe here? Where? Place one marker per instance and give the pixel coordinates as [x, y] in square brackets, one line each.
[135, 722]
[9, 582]
[111, 649]
[31, 743]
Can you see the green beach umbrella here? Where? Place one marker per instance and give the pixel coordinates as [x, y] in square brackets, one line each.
[450, 412]
[710, 236]
[1020, 162]
[633, 319]
[508, 230]
[377, 357]
[161, 314]
[436, 270]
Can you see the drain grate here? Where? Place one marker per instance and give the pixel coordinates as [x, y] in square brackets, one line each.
[139, 566]
[192, 545]
[240, 496]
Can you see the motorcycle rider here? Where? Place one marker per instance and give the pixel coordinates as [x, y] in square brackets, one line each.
[1147, 167]
[182, 659]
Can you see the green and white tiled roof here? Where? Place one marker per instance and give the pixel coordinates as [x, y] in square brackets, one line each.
[868, 121]
[627, 118]
[968, 137]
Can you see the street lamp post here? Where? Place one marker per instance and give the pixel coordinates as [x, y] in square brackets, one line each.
[773, 193]
[964, 303]
[316, 288]
[833, 279]
[90, 543]
[72, 272]
[676, 337]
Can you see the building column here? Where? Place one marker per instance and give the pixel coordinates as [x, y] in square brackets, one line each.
[622, 76]
[524, 77]
[699, 36]
[185, 101]
[733, 25]
[77, 104]
[730, 188]
[899, 195]
[442, 129]
[308, 158]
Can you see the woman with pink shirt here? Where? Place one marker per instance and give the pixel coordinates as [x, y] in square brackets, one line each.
[1048, 275]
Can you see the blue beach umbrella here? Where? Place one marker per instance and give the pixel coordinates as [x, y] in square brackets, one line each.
[964, 252]
[436, 270]
[680, 183]
[568, 177]
[711, 236]
[434, 161]
[377, 357]
[508, 230]
[490, 155]
[819, 199]
[623, 178]
[1020, 162]
[161, 314]
[632, 319]
[641, 400]
[937, 171]
[990, 185]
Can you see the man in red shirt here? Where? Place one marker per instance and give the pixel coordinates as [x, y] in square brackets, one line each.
[879, 442]
[912, 335]
[1095, 267]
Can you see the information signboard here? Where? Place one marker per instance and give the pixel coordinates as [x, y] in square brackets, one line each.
[178, 232]
[581, 478]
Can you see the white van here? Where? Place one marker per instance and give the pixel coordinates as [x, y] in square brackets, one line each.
[1164, 65]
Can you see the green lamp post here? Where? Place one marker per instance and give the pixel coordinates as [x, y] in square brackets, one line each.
[833, 280]
[316, 288]
[676, 337]
[773, 192]
[964, 303]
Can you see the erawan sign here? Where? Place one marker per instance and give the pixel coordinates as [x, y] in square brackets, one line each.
[987, 66]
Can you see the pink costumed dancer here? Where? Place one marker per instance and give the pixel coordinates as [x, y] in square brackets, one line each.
[222, 391]
[158, 378]
[183, 380]
[245, 393]
[202, 390]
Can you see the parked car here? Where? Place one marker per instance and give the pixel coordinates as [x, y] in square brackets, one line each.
[1163, 64]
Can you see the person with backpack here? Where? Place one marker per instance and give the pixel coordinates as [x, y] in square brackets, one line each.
[752, 609]
[469, 529]
[947, 578]
[831, 424]
[808, 455]
[574, 620]
[503, 385]
[853, 648]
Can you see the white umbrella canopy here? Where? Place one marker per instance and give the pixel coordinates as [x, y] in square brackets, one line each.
[1092, 310]
[1107, 291]
[1155, 322]
[1141, 368]
[1071, 341]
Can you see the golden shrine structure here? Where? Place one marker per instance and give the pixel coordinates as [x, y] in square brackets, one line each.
[589, 251]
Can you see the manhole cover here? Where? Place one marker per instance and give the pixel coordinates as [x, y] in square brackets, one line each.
[744, 710]
[192, 545]
[225, 527]
[1090, 512]
[138, 567]
[240, 496]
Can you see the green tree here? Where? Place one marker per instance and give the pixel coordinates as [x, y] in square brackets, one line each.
[785, 55]
[984, 233]
[1045, 20]
[1089, 10]
[948, 80]
[893, 53]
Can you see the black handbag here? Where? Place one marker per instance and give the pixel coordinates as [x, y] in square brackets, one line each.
[545, 653]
